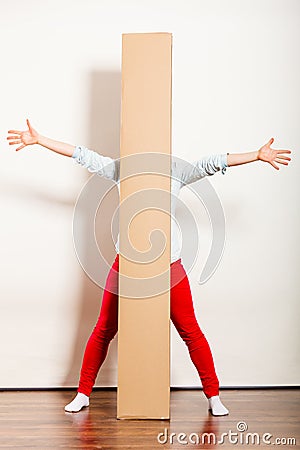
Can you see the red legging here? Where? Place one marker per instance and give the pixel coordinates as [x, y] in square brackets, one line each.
[182, 316]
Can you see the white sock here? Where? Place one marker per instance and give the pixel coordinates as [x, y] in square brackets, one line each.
[216, 406]
[79, 402]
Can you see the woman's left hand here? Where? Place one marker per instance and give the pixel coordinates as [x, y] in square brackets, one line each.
[266, 153]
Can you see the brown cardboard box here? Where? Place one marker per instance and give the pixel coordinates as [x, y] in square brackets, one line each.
[144, 270]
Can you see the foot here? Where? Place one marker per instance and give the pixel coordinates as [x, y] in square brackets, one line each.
[216, 407]
[79, 402]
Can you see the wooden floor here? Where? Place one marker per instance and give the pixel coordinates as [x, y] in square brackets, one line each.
[36, 420]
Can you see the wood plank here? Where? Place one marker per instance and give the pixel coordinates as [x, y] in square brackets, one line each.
[30, 420]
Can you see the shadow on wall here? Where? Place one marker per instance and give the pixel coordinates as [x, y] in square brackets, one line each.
[104, 132]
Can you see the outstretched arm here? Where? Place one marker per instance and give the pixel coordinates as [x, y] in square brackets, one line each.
[265, 153]
[91, 160]
[31, 137]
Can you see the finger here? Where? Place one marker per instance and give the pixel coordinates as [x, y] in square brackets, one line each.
[19, 148]
[283, 151]
[13, 137]
[281, 162]
[15, 131]
[274, 165]
[270, 141]
[283, 157]
[15, 142]
[29, 126]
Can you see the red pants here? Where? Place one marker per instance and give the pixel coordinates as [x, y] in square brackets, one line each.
[182, 316]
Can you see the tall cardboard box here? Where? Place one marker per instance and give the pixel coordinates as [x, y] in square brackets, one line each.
[144, 264]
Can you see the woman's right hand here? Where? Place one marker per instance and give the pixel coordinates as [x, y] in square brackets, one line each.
[28, 137]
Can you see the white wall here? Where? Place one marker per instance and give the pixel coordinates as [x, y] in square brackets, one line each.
[235, 85]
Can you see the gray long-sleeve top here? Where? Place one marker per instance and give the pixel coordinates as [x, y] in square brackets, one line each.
[182, 173]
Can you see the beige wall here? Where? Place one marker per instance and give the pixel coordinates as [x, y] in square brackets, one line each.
[235, 85]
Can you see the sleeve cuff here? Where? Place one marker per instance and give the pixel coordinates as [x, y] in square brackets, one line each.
[224, 164]
[76, 152]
